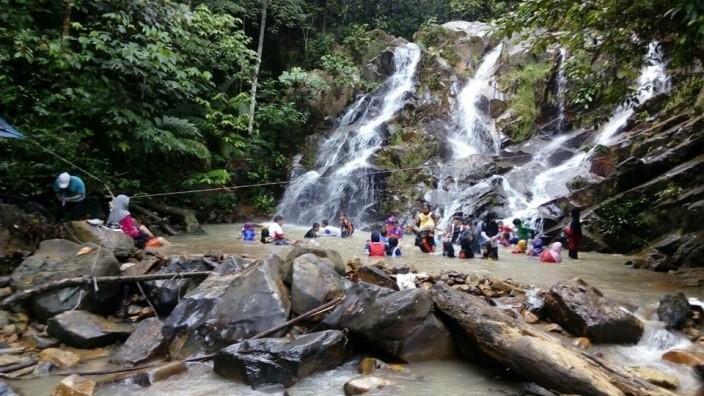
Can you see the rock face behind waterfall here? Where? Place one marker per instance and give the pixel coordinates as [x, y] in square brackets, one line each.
[583, 311]
[57, 259]
[227, 308]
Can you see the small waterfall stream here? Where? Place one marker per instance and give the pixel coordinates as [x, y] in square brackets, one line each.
[341, 179]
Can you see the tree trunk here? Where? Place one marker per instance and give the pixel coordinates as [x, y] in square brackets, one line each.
[67, 18]
[260, 46]
[536, 355]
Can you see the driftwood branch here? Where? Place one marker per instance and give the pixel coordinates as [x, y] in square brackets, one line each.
[315, 311]
[160, 221]
[88, 280]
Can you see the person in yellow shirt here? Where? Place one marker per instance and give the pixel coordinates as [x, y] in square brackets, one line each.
[425, 230]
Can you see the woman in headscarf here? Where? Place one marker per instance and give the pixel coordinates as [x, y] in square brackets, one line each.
[375, 247]
[392, 228]
[537, 248]
[553, 254]
[521, 247]
[120, 215]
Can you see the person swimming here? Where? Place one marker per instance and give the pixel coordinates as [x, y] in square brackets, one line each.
[313, 232]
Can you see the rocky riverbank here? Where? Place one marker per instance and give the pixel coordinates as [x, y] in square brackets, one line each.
[260, 323]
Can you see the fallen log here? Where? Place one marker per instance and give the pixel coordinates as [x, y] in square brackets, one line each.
[160, 221]
[536, 355]
[88, 280]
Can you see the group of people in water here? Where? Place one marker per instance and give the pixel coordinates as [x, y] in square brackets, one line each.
[463, 238]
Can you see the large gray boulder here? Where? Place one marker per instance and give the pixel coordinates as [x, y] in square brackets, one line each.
[299, 250]
[280, 360]
[674, 310]
[82, 329]
[225, 309]
[399, 323]
[583, 311]
[120, 243]
[144, 343]
[59, 259]
[315, 282]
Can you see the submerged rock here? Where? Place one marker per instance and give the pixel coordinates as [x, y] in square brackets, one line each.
[401, 324]
[120, 243]
[144, 343]
[82, 329]
[75, 385]
[656, 377]
[367, 383]
[687, 358]
[59, 259]
[315, 282]
[6, 390]
[59, 358]
[225, 309]
[583, 311]
[673, 310]
[281, 361]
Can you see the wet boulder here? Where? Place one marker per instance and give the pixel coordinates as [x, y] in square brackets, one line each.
[364, 384]
[398, 323]
[280, 360]
[120, 243]
[376, 276]
[299, 250]
[673, 310]
[82, 329]
[58, 259]
[583, 311]
[20, 233]
[315, 282]
[144, 343]
[225, 309]
[165, 294]
[75, 385]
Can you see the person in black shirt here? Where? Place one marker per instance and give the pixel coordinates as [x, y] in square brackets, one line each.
[313, 232]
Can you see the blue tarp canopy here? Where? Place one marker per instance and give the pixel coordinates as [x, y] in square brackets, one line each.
[8, 131]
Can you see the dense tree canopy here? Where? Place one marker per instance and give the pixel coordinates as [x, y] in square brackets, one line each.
[152, 95]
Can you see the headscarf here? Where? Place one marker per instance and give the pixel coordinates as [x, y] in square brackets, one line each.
[248, 226]
[522, 244]
[556, 251]
[391, 220]
[119, 208]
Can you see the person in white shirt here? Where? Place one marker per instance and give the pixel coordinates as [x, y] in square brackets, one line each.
[329, 231]
[276, 231]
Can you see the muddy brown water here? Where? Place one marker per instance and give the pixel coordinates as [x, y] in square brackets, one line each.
[637, 289]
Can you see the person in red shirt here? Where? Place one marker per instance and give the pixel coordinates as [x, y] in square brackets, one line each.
[552, 255]
[375, 247]
[120, 215]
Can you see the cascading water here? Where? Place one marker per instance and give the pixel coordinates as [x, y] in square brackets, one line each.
[551, 181]
[561, 89]
[475, 133]
[341, 179]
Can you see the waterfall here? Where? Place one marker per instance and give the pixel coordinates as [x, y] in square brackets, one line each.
[475, 133]
[341, 179]
[561, 88]
[551, 181]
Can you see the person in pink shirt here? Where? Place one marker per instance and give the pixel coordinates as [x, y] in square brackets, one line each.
[120, 215]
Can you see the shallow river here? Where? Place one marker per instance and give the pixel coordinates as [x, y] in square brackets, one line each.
[639, 289]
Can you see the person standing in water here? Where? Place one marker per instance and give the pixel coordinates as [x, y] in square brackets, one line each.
[491, 236]
[346, 226]
[425, 230]
[573, 233]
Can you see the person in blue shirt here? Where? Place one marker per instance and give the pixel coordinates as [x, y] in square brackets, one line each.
[71, 191]
[248, 232]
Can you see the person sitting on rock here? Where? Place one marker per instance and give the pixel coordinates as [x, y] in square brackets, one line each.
[553, 254]
[392, 249]
[328, 230]
[313, 232]
[248, 233]
[120, 216]
[537, 248]
[521, 247]
[451, 237]
[375, 247]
